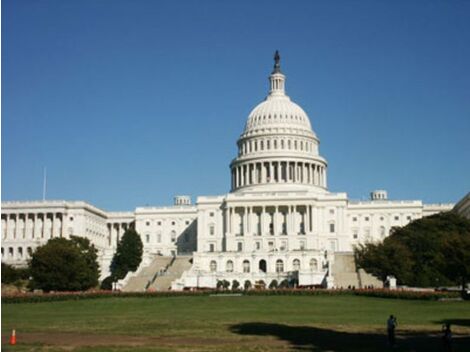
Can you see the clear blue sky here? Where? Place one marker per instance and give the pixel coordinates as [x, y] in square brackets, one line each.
[128, 103]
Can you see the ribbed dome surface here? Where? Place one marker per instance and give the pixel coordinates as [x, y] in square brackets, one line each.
[277, 111]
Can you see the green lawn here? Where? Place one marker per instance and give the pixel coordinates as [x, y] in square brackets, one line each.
[250, 323]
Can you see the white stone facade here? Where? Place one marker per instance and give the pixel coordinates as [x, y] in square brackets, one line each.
[278, 222]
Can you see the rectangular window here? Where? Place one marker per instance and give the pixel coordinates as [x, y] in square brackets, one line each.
[258, 245]
[211, 230]
[239, 246]
[332, 227]
[211, 247]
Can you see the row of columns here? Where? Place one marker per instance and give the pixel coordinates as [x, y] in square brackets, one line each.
[269, 220]
[115, 232]
[15, 226]
[278, 172]
[255, 145]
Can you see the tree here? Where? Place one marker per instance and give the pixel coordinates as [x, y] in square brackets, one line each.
[64, 265]
[429, 252]
[273, 285]
[128, 255]
[247, 285]
[455, 259]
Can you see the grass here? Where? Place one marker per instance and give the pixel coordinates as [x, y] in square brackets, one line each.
[259, 323]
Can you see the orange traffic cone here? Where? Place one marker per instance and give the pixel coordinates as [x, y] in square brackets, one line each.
[13, 337]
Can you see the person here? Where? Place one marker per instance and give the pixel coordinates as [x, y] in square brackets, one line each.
[447, 337]
[391, 325]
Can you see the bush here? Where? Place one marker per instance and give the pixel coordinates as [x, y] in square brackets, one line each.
[107, 283]
[64, 265]
[284, 284]
[235, 285]
[273, 285]
[247, 285]
[10, 274]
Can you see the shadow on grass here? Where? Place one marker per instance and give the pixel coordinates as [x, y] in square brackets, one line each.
[459, 322]
[307, 338]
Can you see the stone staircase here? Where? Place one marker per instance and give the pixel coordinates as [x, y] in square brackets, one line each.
[147, 274]
[346, 275]
[174, 272]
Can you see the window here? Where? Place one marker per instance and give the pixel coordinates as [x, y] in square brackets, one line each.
[313, 264]
[159, 237]
[302, 245]
[381, 218]
[213, 266]
[332, 211]
[354, 219]
[408, 218]
[211, 230]
[296, 265]
[397, 218]
[258, 245]
[71, 218]
[382, 231]
[211, 247]
[147, 223]
[332, 227]
[271, 245]
[159, 223]
[279, 266]
[147, 238]
[355, 236]
[173, 223]
[366, 218]
[283, 245]
[239, 246]
[211, 214]
[246, 266]
[173, 236]
[20, 252]
[229, 266]
[187, 222]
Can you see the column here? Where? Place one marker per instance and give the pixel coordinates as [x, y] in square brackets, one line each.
[324, 177]
[279, 172]
[262, 216]
[62, 225]
[52, 225]
[263, 172]
[16, 226]
[271, 172]
[304, 173]
[275, 220]
[232, 225]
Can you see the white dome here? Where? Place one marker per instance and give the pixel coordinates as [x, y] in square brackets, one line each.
[278, 148]
[277, 112]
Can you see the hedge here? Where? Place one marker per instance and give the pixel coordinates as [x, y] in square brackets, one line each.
[380, 293]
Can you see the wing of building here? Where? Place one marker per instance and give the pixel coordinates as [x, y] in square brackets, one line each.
[278, 222]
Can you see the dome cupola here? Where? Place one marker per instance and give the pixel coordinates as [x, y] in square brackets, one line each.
[278, 146]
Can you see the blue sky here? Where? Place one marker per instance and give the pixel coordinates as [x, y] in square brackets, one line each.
[128, 103]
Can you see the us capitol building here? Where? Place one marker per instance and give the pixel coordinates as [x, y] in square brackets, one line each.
[279, 221]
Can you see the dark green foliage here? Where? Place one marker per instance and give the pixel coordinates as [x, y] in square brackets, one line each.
[64, 265]
[223, 284]
[107, 284]
[273, 284]
[429, 252]
[11, 274]
[247, 285]
[128, 255]
[235, 285]
[284, 284]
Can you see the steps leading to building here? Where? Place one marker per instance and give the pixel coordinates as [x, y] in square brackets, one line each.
[174, 272]
[147, 274]
[346, 275]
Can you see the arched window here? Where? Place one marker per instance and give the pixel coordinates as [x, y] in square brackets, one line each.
[246, 266]
[296, 264]
[279, 266]
[313, 264]
[213, 266]
[229, 266]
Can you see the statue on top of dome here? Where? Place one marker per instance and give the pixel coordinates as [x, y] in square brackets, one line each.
[277, 65]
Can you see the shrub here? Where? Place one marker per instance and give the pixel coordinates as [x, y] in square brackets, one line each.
[10, 274]
[273, 285]
[107, 283]
[247, 285]
[235, 285]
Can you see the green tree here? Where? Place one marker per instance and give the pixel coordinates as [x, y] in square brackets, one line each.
[128, 255]
[64, 265]
[273, 285]
[235, 285]
[11, 274]
[428, 252]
